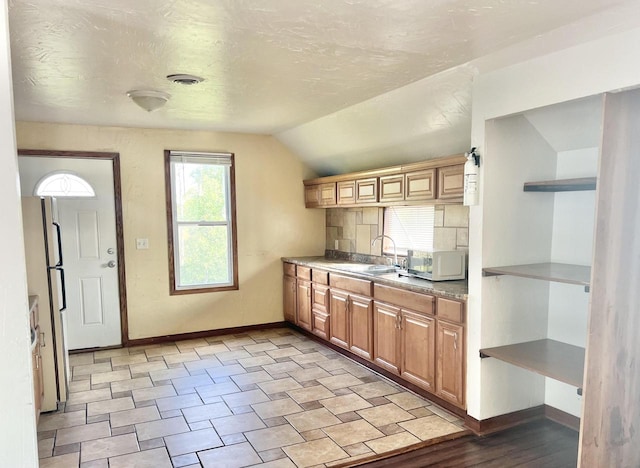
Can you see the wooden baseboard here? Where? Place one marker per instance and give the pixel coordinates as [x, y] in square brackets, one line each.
[429, 396]
[204, 334]
[506, 421]
[565, 419]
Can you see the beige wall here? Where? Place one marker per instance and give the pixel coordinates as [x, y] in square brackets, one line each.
[272, 222]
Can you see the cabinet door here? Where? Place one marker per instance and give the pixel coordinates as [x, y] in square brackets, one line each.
[367, 190]
[327, 194]
[386, 337]
[289, 299]
[361, 326]
[339, 318]
[304, 304]
[346, 192]
[312, 196]
[320, 310]
[420, 185]
[450, 355]
[418, 346]
[392, 188]
[450, 181]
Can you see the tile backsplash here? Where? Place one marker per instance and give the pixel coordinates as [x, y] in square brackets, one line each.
[451, 227]
[352, 229]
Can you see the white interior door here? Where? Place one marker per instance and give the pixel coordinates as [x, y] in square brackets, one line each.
[90, 262]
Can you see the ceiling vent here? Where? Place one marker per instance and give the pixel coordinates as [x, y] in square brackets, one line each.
[185, 79]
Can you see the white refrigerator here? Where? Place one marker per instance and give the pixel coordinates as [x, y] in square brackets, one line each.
[45, 279]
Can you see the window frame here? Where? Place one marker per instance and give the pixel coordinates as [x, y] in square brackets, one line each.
[174, 289]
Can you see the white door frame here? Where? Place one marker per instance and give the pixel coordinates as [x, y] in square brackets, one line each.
[117, 192]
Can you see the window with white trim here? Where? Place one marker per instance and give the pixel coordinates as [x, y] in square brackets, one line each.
[411, 227]
[201, 219]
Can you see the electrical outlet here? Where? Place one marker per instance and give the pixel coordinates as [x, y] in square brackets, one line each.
[142, 244]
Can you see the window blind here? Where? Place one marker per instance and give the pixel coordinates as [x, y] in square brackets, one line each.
[411, 227]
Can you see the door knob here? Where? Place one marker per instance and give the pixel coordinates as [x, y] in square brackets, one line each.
[111, 264]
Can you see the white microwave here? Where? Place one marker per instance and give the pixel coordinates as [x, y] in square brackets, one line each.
[438, 265]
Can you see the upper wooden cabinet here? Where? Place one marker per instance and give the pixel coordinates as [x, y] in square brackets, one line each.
[346, 192]
[434, 179]
[450, 181]
[420, 185]
[320, 195]
[366, 191]
[357, 192]
[392, 188]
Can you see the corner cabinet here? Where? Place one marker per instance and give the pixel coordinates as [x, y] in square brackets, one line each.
[418, 337]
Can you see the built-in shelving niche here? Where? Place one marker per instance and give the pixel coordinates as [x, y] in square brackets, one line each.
[539, 207]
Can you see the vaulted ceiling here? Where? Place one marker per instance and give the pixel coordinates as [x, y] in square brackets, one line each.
[274, 66]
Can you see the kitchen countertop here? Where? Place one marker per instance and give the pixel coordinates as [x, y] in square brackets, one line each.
[453, 289]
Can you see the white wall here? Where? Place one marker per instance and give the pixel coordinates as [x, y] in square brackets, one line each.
[588, 69]
[516, 230]
[17, 421]
[573, 225]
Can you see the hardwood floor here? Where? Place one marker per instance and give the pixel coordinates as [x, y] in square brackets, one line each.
[538, 444]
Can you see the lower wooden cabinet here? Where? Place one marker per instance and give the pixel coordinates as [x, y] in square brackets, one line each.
[418, 347]
[361, 326]
[405, 344]
[418, 337]
[303, 295]
[289, 298]
[450, 358]
[386, 337]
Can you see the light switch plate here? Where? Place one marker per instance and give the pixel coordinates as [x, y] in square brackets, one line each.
[142, 244]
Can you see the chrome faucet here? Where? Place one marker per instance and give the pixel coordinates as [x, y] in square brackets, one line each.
[395, 251]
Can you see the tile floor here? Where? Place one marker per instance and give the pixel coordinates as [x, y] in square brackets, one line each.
[270, 398]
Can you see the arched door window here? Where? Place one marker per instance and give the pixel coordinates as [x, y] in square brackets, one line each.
[63, 184]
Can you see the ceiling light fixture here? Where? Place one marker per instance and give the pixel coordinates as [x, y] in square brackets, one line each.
[185, 79]
[148, 100]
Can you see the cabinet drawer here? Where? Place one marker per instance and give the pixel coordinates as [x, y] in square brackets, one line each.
[450, 310]
[320, 297]
[303, 272]
[353, 285]
[289, 269]
[407, 299]
[320, 324]
[320, 276]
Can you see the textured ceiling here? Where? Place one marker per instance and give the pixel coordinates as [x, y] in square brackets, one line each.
[269, 65]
